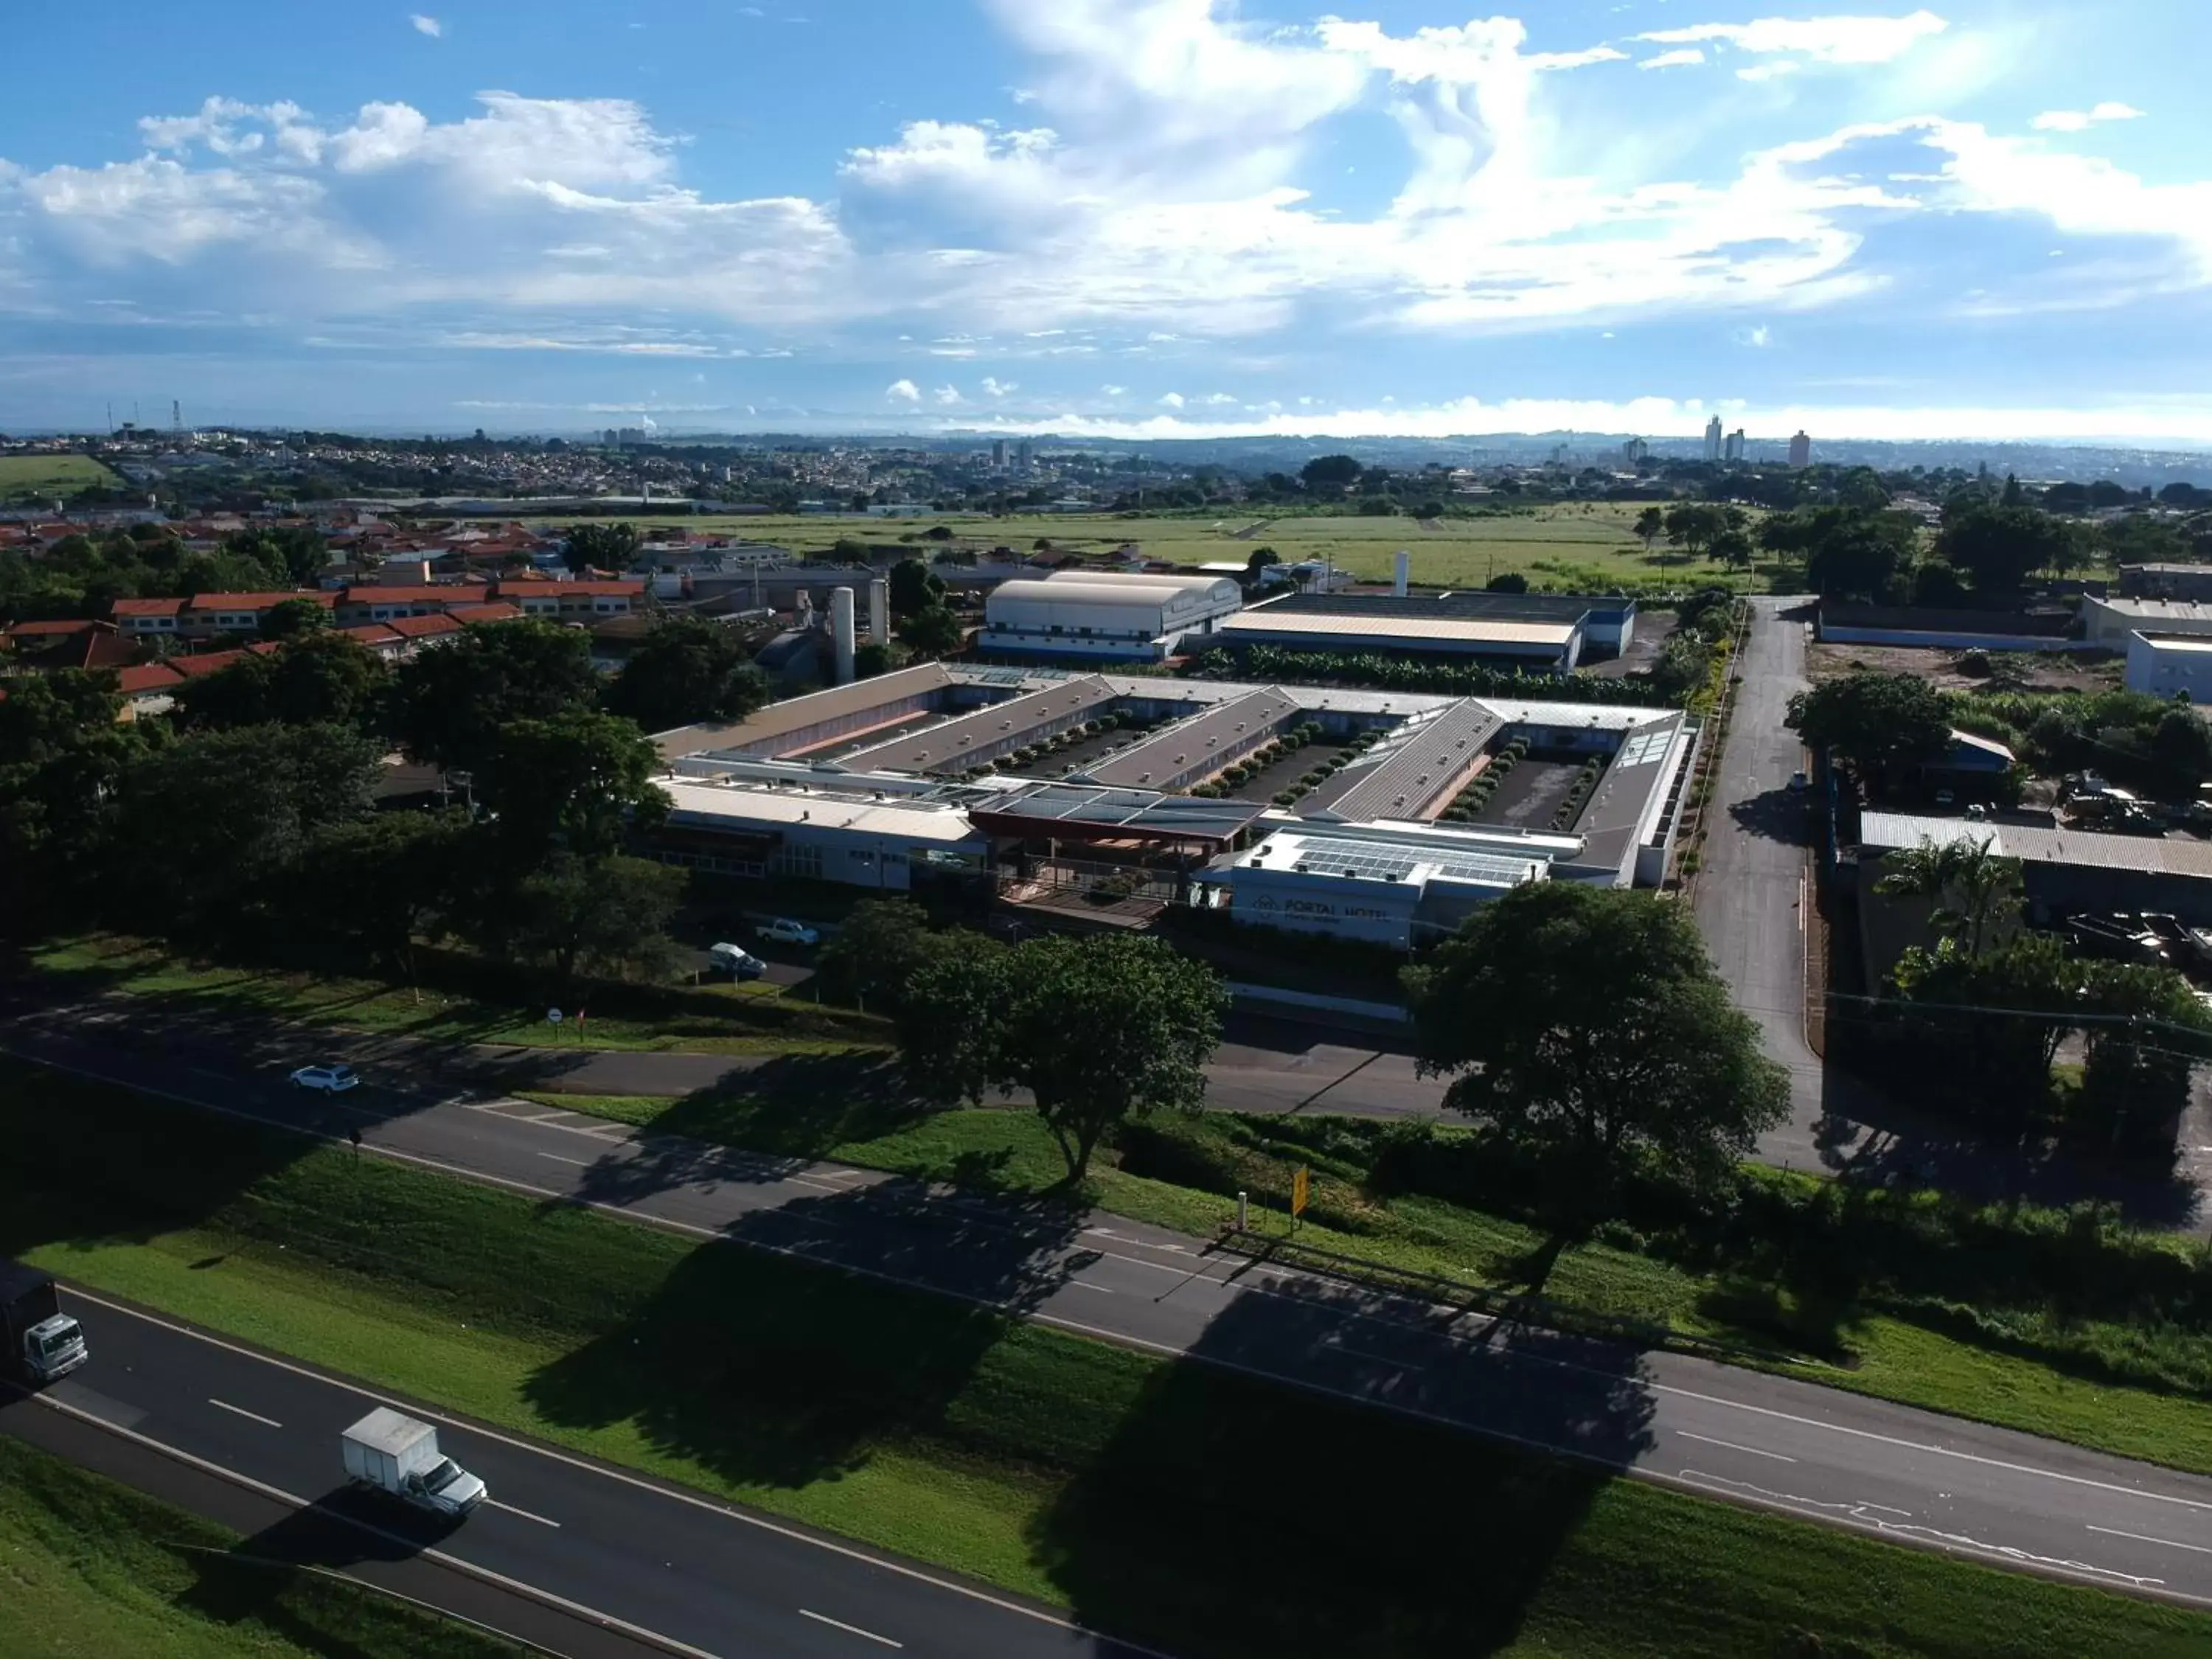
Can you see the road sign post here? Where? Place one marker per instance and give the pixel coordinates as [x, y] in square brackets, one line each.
[1301, 1188]
[553, 1018]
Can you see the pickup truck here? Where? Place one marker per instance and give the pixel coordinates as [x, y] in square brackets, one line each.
[43, 1342]
[782, 930]
[390, 1452]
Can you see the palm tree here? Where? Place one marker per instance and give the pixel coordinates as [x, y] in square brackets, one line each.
[1985, 888]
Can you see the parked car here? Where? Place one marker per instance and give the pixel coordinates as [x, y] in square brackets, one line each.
[331, 1080]
[736, 961]
[782, 930]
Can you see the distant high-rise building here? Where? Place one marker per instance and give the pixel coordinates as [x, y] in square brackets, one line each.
[998, 453]
[1801, 451]
[1713, 439]
[613, 438]
[1021, 455]
[1634, 451]
[1735, 445]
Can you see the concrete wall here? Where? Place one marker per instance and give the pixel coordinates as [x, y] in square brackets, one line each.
[2164, 670]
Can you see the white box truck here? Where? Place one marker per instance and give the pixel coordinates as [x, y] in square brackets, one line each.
[395, 1454]
[41, 1341]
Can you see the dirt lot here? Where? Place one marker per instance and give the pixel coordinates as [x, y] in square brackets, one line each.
[2040, 671]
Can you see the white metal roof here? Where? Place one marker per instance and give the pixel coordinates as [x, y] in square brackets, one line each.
[736, 804]
[1327, 623]
[2198, 642]
[1882, 832]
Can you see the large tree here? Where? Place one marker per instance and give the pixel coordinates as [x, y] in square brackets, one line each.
[1848, 553]
[210, 827]
[576, 783]
[882, 948]
[687, 669]
[574, 915]
[1587, 1028]
[376, 886]
[2000, 547]
[1330, 474]
[1096, 1028]
[914, 588]
[933, 631]
[316, 679]
[450, 703]
[1876, 722]
[1973, 893]
[61, 754]
[601, 546]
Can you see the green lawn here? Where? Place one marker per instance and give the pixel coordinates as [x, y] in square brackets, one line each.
[716, 1019]
[42, 477]
[2126, 1372]
[92, 1570]
[1565, 547]
[1210, 1513]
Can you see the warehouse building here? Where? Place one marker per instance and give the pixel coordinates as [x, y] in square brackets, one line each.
[1393, 885]
[988, 734]
[1545, 633]
[2171, 664]
[1192, 751]
[1105, 614]
[2108, 624]
[749, 823]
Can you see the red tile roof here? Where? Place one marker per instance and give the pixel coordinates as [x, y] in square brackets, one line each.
[417, 628]
[451, 593]
[146, 676]
[57, 626]
[582, 590]
[485, 613]
[211, 662]
[147, 607]
[256, 601]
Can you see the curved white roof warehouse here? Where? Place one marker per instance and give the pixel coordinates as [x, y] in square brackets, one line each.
[1104, 613]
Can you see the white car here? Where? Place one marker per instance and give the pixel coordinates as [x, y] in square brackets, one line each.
[736, 961]
[784, 931]
[331, 1080]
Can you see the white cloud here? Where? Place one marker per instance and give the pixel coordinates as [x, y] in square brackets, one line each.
[1114, 390]
[903, 392]
[1171, 400]
[947, 395]
[2079, 120]
[429, 26]
[1218, 400]
[1772, 70]
[1681, 59]
[1823, 39]
[1758, 339]
[995, 388]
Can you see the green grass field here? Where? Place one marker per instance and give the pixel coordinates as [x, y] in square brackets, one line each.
[1207, 1512]
[716, 1019]
[38, 478]
[92, 1570]
[2124, 1385]
[1564, 547]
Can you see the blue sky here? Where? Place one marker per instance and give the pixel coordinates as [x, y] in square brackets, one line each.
[1989, 218]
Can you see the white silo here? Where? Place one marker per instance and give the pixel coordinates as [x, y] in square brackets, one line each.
[841, 631]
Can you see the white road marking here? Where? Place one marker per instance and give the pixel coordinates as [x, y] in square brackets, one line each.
[580, 1163]
[538, 1117]
[493, 1503]
[240, 1411]
[1708, 1440]
[1085, 1284]
[849, 1630]
[2145, 1538]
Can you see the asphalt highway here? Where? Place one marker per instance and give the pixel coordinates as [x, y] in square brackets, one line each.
[612, 1562]
[1781, 1442]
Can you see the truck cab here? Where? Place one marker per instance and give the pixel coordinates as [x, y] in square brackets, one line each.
[43, 1343]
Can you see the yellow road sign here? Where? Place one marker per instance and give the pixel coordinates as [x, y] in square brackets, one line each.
[1301, 1183]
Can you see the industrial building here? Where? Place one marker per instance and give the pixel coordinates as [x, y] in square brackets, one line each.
[2171, 664]
[2108, 623]
[2063, 873]
[2165, 582]
[887, 783]
[1104, 614]
[1548, 633]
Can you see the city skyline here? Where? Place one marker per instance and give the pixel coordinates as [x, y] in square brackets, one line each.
[1977, 221]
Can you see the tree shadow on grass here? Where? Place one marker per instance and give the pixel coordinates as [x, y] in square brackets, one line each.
[800, 1105]
[798, 1359]
[1235, 1517]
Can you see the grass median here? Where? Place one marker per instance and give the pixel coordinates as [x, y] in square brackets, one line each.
[2030, 1320]
[92, 1570]
[462, 1000]
[1207, 1512]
